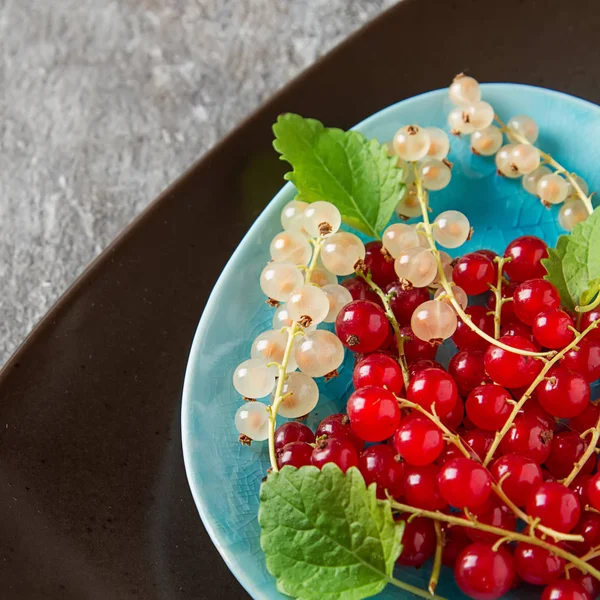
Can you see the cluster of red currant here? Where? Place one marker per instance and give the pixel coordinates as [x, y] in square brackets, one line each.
[460, 447]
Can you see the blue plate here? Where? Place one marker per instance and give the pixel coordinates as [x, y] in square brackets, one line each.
[224, 476]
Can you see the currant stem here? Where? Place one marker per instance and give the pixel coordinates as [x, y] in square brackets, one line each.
[583, 309]
[499, 260]
[437, 558]
[591, 448]
[589, 555]
[505, 533]
[428, 230]
[552, 162]
[517, 407]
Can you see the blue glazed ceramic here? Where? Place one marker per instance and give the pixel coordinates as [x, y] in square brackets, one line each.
[224, 476]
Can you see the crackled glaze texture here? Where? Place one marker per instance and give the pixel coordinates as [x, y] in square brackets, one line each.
[224, 476]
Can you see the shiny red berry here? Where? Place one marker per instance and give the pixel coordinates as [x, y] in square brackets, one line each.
[509, 369]
[488, 406]
[332, 450]
[465, 338]
[420, 488]
[520, 329]
[380, 264]
[593, 491]
[293, 431]
[378, 369]
[491, 513]
[533, 297]
[362, 326]
[520, 477]
[563, 393]
[455, 541]
[586, 419]
[455, 417]
[360, 290]
[537, 565]
[468, 370]
[555, 505]
[338, 426]
[565, 589]
[418, 542]
[464, 483]
[478, 440]
[296, 454]
[580, 486]
[416, 349]
[530, 437]
[403, 301]
[590, 583]
[418, 440]
[585, 359]
[589, 528]
[553, 328]
[380, 465]
[587, 319]
[526, 254]
[433, 387]
[422, 364]
[474, 273]
[567, 449]
[374, 413]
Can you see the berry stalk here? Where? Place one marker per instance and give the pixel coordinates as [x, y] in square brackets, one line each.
[497, 290]
[591, 448]
[437, 558]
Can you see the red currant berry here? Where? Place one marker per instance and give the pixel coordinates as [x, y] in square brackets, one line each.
[416, 349]
[487, 253]
[380, 370]
[359, 290]
[566, 589]
[491, 513]
[555, 505]
[509, 369]
[338, 426]
[455, 417]
[293, 431]
[519, 329]
[464, 483]
[533, 297]
[537, 565]
[418, 542]
[296, 454]
[479, 441]
[338, 451]
[547, 476]
[589, 528]
[455, 541]
[474, 273]
[563, 393]
[483, 573]
[552, 328]
[580, 486]
[362, 326]
[420, 365]
[380, 264]
[379, 464]
[418, 440]
[520, 477]
[465, 338]
[533, 408]
[593, 491]
[586, 419]
[587, 319]
[591, 585]
[567, 449]
[374, 413]
[488, 406]
[403, 301]
[433, 387]
[450, 452]
[507, 313]
[420, 488]
[468, 370]
[526, 255]
[530, 437]
[584, 360]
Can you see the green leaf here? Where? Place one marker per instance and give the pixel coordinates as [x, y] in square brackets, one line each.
[590, 296]
[341, 167]
[554, 266]
[325, 535]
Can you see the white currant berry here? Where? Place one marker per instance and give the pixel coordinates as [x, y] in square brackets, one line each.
[479, 114]
[525, 127]
[341, 251]
[292, 247]
[282, 319]
[322, 218]
[278, 280]
[530, 180]
[308, 305]
[447, 268]
[292, 216]
[464, 90]
[338, 297]
[409, 206]
[451, 229]
[435, 174]
[459, 294]
[581, 183]
[439, 144]
[416, 265]
[319, 353]
[571, 213]
[503, 162]
[433, 320]
[459, 123]
[301, 395]
[270, 346]
[411, 143]
[486, 141]
[322, 277]
[552, 189]
[253, 379]
[252, 419]
[525, 158]
[399, 236]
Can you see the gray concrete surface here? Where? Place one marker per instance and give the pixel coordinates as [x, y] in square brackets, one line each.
[103, 103]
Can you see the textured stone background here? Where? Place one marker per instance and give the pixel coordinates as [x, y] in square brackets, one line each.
[103, 103]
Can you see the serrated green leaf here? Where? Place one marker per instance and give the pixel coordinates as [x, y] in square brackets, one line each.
[581, 261]
[554, 266]
[341, 167]
[325, 535]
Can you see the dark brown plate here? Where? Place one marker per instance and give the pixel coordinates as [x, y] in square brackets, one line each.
[94, 502]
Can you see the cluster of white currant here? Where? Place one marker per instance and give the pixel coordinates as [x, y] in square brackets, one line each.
[519, 158]
[307, 258]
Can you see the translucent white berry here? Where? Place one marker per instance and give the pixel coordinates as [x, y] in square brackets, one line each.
[581, 183]
[338, 297]
[435, 174]
[525, 127]
[411, 143]
[525, 158]
[270, 346]
[322, 277]
[301, 395]
[292, 216]
[459, 122]
[464, 90]
[308, 305]
[282, 319]
[451, 229]
[398, 237]
[530, 180]
[459, 294]
[319, 353]
[416, 265]
[252, 419]
[341, 251]
[571, 213]
[409, 206]
[321, 218]
[503, 162]
[434, 320]
[253, 379]
[552, 189]
[486, 141]
[439, 144]
[292, 247]
[447, 268]
[479, 114]
[278, 280]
